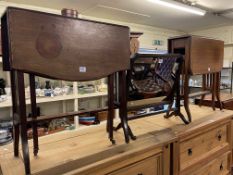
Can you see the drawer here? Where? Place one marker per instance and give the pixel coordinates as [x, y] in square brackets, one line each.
[149, 166]
[199, 147]
[219, 166]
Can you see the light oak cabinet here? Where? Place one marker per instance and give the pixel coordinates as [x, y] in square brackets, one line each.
[197, 148]
[147, 160]
[207, 152]
[204, 147]
[218, 166]
[149, 166]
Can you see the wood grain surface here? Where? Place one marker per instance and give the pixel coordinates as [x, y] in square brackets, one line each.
[63, 48]
[88, 151]
[202, 55]
[206, 55]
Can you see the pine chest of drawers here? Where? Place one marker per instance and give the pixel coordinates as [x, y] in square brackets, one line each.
[204, 150]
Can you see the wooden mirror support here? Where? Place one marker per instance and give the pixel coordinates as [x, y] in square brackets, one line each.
[64, 48]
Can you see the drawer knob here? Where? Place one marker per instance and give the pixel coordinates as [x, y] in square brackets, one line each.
[219, 137]
[221, 167]
[190, 151]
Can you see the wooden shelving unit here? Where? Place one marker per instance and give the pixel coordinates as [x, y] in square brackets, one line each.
[5, 106]
[7, 103]
[90, 95]
[229, 76]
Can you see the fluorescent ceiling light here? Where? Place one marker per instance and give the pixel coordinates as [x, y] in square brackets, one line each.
[122, 10]
[180, 6]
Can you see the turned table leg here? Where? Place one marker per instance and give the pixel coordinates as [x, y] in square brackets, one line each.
[15, 119]
[34, 114]
[213, 89]
[110, 107]
[217, 90]
[204, 87]
[21, 112]
[123, 106]
[186, 97]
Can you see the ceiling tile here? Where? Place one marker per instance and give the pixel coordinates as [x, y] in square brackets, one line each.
[137, 11]
[216, 5]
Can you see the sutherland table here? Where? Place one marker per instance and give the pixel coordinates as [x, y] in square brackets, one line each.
[202, 147]
[203, 56]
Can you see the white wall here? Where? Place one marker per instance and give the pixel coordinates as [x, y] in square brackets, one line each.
[223, 33]
[150, 33]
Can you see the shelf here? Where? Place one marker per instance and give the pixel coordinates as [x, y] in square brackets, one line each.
[52, 99]
[8, 102]
[196, 94]
[96, 94]
[195, 86]
[225, 88]
[228, 44]
[80, 127]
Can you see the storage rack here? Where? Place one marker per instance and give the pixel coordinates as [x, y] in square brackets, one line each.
[230, 69]
[75, 97]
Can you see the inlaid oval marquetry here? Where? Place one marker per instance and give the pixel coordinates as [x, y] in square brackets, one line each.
[48, 45]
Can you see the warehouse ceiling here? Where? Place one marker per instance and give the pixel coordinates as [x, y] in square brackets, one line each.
[147, 13]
